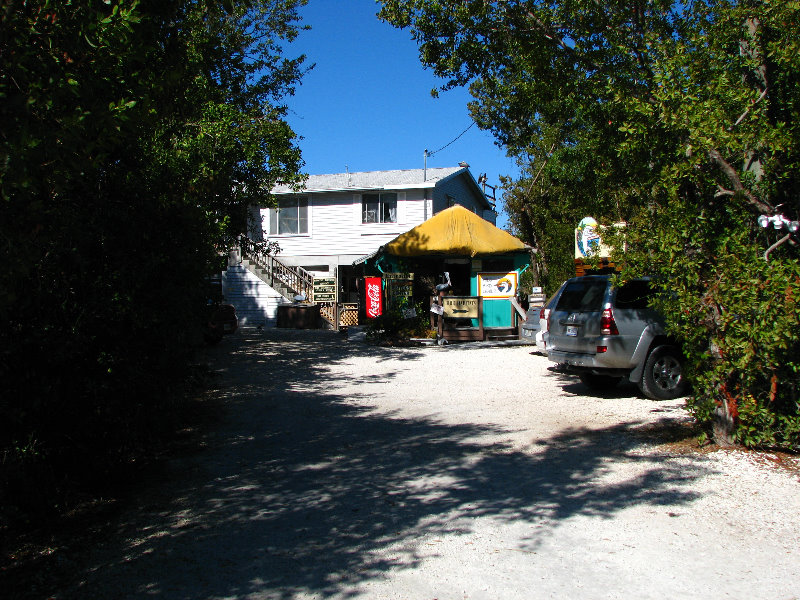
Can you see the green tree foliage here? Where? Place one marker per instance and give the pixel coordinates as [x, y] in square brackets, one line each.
[680, 119]
[134, 133]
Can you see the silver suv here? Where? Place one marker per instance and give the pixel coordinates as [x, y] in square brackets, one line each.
[604, 334]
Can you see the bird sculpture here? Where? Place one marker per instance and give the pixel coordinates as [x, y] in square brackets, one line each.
[446, 285]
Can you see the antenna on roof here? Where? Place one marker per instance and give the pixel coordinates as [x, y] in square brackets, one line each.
[425, 165]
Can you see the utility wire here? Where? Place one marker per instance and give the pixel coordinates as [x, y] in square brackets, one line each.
[453, 140]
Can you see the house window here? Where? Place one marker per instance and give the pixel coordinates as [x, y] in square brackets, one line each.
[451, 201]
[379, 208]
[290, 217]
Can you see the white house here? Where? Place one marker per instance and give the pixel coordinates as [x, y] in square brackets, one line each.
[338, 218]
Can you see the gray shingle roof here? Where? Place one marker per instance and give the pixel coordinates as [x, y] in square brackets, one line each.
[372, 180]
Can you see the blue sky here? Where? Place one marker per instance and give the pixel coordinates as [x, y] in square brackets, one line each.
[367, 106]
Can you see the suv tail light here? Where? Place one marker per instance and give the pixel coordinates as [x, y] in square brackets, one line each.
[541, 313]
[607, 324]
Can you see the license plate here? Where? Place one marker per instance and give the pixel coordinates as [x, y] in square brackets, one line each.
[572, 330]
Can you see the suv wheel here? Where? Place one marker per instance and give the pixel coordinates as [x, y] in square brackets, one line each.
[663, 377]
[598, 382]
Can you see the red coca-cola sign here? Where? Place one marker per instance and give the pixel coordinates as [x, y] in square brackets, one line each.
[374, 303]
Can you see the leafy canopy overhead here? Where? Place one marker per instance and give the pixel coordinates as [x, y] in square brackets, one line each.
[134, 135]
[680, 119]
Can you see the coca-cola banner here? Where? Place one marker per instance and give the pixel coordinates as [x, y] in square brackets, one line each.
[374, 305]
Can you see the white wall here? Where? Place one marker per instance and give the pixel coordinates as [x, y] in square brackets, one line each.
[256, 303]
[335, 226]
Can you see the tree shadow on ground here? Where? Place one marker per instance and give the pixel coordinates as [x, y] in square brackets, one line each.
[300, 491]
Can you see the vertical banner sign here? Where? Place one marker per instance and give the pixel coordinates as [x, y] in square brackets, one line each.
[372, 287]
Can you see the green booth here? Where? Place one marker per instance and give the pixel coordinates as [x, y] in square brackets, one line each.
[476, 265]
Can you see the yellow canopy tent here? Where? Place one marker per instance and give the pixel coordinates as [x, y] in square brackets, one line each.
[454, 231]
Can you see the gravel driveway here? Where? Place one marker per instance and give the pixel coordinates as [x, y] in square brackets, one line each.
[343, 470]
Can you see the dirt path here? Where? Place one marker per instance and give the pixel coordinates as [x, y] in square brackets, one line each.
[341, 470]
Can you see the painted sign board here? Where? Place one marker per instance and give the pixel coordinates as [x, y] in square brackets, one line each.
[589, 241]
[324, 289]
[399, 288]
[497, 285]
[587, 238]
[460, 307]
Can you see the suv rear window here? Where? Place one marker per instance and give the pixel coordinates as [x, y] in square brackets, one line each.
[583, 295]
[633, 295]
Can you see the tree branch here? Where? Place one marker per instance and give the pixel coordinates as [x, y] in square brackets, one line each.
[747, 111]
[541, 168]
[721, 191]
[551, 35]
[736, 182]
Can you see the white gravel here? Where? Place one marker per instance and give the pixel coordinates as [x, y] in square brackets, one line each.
[343, 470]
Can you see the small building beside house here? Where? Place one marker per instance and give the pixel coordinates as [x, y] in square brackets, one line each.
[476, 266]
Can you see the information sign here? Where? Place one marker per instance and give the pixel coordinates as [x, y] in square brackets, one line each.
[399, 288]
[459, 307]
[497, 285]
[325, 289]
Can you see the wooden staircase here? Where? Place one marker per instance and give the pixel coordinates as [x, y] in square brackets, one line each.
[291, 281]
[287, 281]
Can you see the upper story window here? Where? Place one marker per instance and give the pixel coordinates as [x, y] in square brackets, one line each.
[290, 217]
[379, 208]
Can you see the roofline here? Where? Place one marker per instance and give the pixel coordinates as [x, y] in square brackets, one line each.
[397, 186]
[487, 205]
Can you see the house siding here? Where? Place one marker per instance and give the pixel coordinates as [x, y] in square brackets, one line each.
[461, 190]
[336, 230]
[256, 302]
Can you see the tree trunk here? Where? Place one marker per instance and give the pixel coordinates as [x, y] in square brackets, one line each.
[722, 426]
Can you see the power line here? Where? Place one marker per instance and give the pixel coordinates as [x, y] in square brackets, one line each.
[451, 141]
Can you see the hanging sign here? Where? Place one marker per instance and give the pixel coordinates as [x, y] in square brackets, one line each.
[587, 238]
[374, 304]
[589, 241]
[497, 285]
[460, 307]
